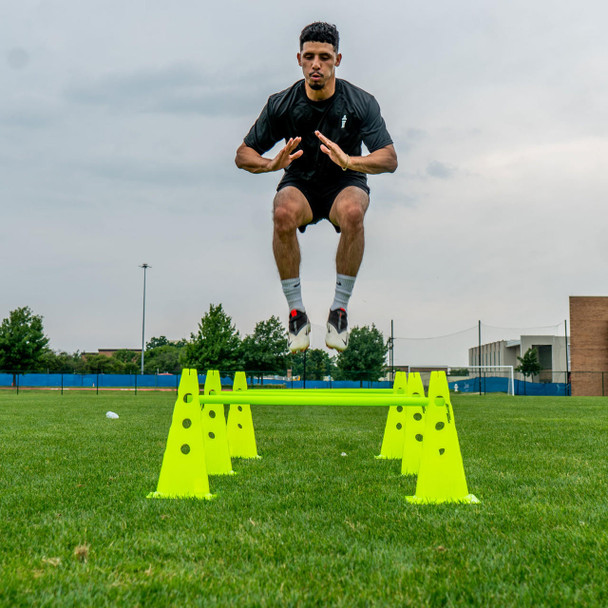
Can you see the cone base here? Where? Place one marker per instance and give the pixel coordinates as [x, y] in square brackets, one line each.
[222, 473]
[420, 500]
[256, 457]
[162, 495]
[383, 457]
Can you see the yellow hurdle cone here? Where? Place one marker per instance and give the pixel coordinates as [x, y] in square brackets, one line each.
[441, 477]
[215, 439]
[183, 473]
[392, 442]
[414, 428]
[241, 435]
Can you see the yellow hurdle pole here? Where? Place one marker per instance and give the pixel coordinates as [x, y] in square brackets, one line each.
[336, 391]
[313, 399]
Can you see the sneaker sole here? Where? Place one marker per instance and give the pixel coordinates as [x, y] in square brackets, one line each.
[300, 342]
[335, 340]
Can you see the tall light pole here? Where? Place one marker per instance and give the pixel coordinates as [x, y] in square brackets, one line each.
[143, 320]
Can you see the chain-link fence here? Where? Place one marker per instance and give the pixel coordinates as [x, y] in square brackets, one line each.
[461, 380]
[19, 381]
[546, 382]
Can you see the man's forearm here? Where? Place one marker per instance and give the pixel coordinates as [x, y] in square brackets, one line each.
[249, 160]
[380, 161]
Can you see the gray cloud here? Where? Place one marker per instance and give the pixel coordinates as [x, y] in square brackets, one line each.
[138, 85]
[174, 89]
[17, 58]
[440, 170]
[28, 113]
[407, 139]
[211, 102]
[151, 172]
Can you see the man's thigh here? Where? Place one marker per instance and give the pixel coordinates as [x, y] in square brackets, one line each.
[293, 200]
[351, 200]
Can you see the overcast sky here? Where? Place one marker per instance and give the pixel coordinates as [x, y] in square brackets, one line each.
[118, 127]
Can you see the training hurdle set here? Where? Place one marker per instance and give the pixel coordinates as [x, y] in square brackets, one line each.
[420, 431]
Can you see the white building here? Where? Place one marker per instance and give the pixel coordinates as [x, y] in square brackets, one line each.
[553, 355]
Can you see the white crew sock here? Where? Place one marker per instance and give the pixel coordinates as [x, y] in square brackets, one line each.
[293, 292]
[344, 289]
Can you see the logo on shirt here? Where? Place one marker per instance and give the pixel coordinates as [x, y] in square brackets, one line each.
[343, 121]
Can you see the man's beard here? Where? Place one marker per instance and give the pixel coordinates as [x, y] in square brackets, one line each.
[317, 85]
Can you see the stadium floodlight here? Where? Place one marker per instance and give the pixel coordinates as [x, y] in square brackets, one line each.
[143, 320]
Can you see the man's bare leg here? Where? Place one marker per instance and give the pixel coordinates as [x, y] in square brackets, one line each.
[347, 212]
[291, 210]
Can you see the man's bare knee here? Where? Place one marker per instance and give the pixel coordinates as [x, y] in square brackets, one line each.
[291, 209]
[285, 218]
[349, 209]
[352, 216]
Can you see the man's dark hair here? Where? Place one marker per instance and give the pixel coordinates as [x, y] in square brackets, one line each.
[320, 32]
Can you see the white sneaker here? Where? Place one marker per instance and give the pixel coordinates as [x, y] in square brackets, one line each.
[337, 330]
[299, 330]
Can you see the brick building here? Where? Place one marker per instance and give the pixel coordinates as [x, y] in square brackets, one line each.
[589, 345]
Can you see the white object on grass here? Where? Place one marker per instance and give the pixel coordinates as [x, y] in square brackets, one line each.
[112, 415]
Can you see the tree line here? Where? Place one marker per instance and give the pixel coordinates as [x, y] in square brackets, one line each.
[217, 344]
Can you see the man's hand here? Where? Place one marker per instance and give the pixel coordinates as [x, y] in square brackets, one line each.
[333, 150]
[285, 157]
[247, 158]
[383, 160]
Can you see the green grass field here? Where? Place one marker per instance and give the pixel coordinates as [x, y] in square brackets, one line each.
[303, 526]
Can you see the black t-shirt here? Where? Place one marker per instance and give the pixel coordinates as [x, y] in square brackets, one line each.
[349, 117]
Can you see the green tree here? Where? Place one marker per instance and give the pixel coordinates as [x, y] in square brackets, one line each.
[164, 356]
[129, 359]
[164, 359]
[318, 364]
[266, 349]
[60, 362]
[217, 345]
[102, 364]
[365, 357]
[529, 364]
[81, 365]
[22, 341]
[164, 341]
[155, 342]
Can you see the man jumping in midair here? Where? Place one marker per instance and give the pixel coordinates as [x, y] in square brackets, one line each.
[324, 121]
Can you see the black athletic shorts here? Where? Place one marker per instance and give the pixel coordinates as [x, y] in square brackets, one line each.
[321, 199]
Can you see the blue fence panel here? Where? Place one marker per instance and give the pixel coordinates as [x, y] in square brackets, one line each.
[257, 382]
[487, 385]
[171, 381]
[167, 380]
[319, 383]
[132, 381]
[116, 380]
[89, 381]
[80, 380]
[501, 385]
[6, 379]
[549, 389]
[35, 380]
